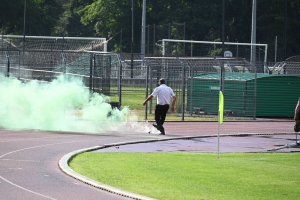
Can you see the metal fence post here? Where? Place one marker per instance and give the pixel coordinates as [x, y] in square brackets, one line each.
[147, 88]
[64, 61]
[183, 90]
[120, 79]
[191, 92]
[91, 75]
[255, 85]
[151, 87]
[8, 63]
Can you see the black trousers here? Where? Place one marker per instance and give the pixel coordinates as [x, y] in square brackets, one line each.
[297, 119]
[297, 115]
[160, 116]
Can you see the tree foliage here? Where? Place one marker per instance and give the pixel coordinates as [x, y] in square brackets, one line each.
[176, 19]
[41, 16]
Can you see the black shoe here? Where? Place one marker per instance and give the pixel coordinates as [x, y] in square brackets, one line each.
[162, 133]
[155, 125]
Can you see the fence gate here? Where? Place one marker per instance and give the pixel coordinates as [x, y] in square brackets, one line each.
[101, 74]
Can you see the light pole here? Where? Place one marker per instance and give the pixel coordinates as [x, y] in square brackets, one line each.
[131, 39]
[253, 34]
[24, 32]
[285, 25]
[223, 26]
[24, 26]
[143, 38]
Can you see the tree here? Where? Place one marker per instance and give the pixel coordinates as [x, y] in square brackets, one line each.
[271, 21]
[202, 20]
[70, 23]
[41, 16]
[11, 12]
[107, 17]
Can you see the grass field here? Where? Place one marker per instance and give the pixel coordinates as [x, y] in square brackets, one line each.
[187, 176]
[191, 176]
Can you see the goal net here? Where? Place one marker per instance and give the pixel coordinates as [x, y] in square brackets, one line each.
[48, 43]
[210, 48]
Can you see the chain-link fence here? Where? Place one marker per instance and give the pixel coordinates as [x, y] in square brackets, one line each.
[100, 72]
[248, 90]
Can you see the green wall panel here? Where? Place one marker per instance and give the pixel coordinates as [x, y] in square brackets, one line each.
[276, 95]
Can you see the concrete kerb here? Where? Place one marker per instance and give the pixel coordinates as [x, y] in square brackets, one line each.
[64, 161]
[64, 166]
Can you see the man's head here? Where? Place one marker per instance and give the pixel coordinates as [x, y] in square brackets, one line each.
[161, 81]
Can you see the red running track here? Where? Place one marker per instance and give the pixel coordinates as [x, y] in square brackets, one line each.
[29, 159]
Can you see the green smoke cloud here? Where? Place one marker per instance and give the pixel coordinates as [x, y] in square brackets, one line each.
[61, 105]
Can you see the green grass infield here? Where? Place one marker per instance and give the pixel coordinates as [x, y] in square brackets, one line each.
[179, 175]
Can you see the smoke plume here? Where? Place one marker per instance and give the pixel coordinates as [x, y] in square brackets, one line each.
[64, 104]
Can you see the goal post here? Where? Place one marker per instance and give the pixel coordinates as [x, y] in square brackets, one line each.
[211, 42]
[53, 43]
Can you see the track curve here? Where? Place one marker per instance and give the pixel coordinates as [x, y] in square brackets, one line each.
[29, 159]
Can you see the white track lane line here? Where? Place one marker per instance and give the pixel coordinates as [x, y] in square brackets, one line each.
[26, 189]
[4, 179]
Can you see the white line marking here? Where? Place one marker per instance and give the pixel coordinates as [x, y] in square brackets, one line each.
[45, 145]
[27, 149]
[16, 168]
[26, 160]
[26, 189]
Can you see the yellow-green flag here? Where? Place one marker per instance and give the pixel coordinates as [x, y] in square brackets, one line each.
[221, 107]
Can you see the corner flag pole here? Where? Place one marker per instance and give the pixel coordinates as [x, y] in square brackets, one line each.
[221, 104]
[222, 71]
[220, 118]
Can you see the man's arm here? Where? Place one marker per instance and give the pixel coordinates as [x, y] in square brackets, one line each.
[148, 99]
[173, 103]
[296, 117]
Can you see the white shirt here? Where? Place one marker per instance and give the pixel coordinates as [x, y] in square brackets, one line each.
[163, 94]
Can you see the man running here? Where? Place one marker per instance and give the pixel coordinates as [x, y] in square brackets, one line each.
[164, 95]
